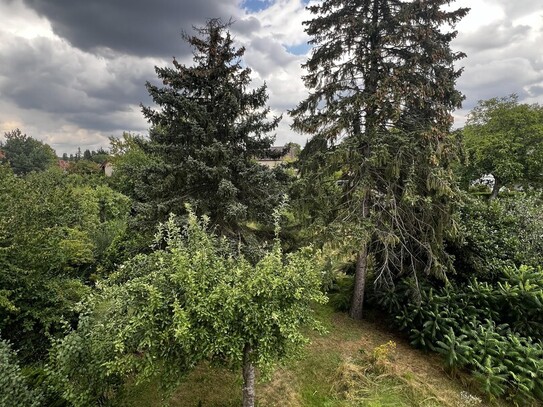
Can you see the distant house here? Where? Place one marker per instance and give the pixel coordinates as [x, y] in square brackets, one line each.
[2, 155]
[107, 168]
[277, 155]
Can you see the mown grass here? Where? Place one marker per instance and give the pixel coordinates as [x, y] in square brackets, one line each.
[349, 366]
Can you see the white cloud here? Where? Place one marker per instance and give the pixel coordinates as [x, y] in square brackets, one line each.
[502, 41]
[69, 97]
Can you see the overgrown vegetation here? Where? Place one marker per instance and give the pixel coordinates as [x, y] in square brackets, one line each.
[162, 313]
[493, 329]
[385, 198]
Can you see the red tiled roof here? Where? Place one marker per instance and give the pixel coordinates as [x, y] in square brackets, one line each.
[63, 164]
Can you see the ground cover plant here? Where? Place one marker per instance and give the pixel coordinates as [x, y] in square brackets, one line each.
[492, 329]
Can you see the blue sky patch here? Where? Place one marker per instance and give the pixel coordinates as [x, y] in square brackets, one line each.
[255, 6]
[299, 49]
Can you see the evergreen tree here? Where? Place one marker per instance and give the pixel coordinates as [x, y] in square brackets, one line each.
[382, 87]
[204, 139]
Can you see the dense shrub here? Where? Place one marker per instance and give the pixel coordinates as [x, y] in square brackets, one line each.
[493, 329]
[14, 390]
[495, 234]
[54, 230]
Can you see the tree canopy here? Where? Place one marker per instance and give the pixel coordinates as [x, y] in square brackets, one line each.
[54, 231]
[504, 138]
[204, 137]
[161, 313]
[382, 88]
[25, 154]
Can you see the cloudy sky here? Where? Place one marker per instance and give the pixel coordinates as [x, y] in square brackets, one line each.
[72, 72]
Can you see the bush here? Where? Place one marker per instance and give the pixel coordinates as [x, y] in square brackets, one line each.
[496, 234]
[14, 390]
[492, 329]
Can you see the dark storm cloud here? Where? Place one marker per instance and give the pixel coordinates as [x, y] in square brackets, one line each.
[136, 27]
[107, 122]
[46, 76]
[497, 35]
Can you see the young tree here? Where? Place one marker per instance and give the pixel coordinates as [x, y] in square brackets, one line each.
[382, 88]
[162, 313]
[26, 154]
[505, 139]
[205, 136]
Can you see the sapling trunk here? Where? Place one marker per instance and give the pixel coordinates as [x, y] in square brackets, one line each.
[495, 188]
[248, 377]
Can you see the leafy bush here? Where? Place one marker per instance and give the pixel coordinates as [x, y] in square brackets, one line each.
[340, 292]
[496, 234]
[14, 390]
[54, 228]
[495, 330]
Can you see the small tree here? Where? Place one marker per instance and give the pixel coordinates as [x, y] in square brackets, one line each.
[162, 313]
[505, 139]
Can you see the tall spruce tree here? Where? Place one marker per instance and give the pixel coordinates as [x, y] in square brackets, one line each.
[204, 139]
[382, 88]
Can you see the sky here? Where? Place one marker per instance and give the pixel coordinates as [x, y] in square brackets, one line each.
[73, 72]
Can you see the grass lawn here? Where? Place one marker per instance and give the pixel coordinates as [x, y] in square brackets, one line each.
[354, 364]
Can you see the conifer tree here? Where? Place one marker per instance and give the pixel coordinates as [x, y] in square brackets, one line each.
[382, 87]
[204, 138]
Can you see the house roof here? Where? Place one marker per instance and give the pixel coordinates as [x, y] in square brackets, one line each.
[63, 164]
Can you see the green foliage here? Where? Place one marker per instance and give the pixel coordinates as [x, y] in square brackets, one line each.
[84, 167]
[497, 234]
[204, 138]
[340, 292]
[54, 230]
[130, 163]
[505, 139]
[495, 330]
[25, 154]
[14, 389]
[382, 88]
[161, 313]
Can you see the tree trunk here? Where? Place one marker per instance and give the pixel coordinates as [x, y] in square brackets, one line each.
[248, 377]
[357, 301]
[495, 189]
